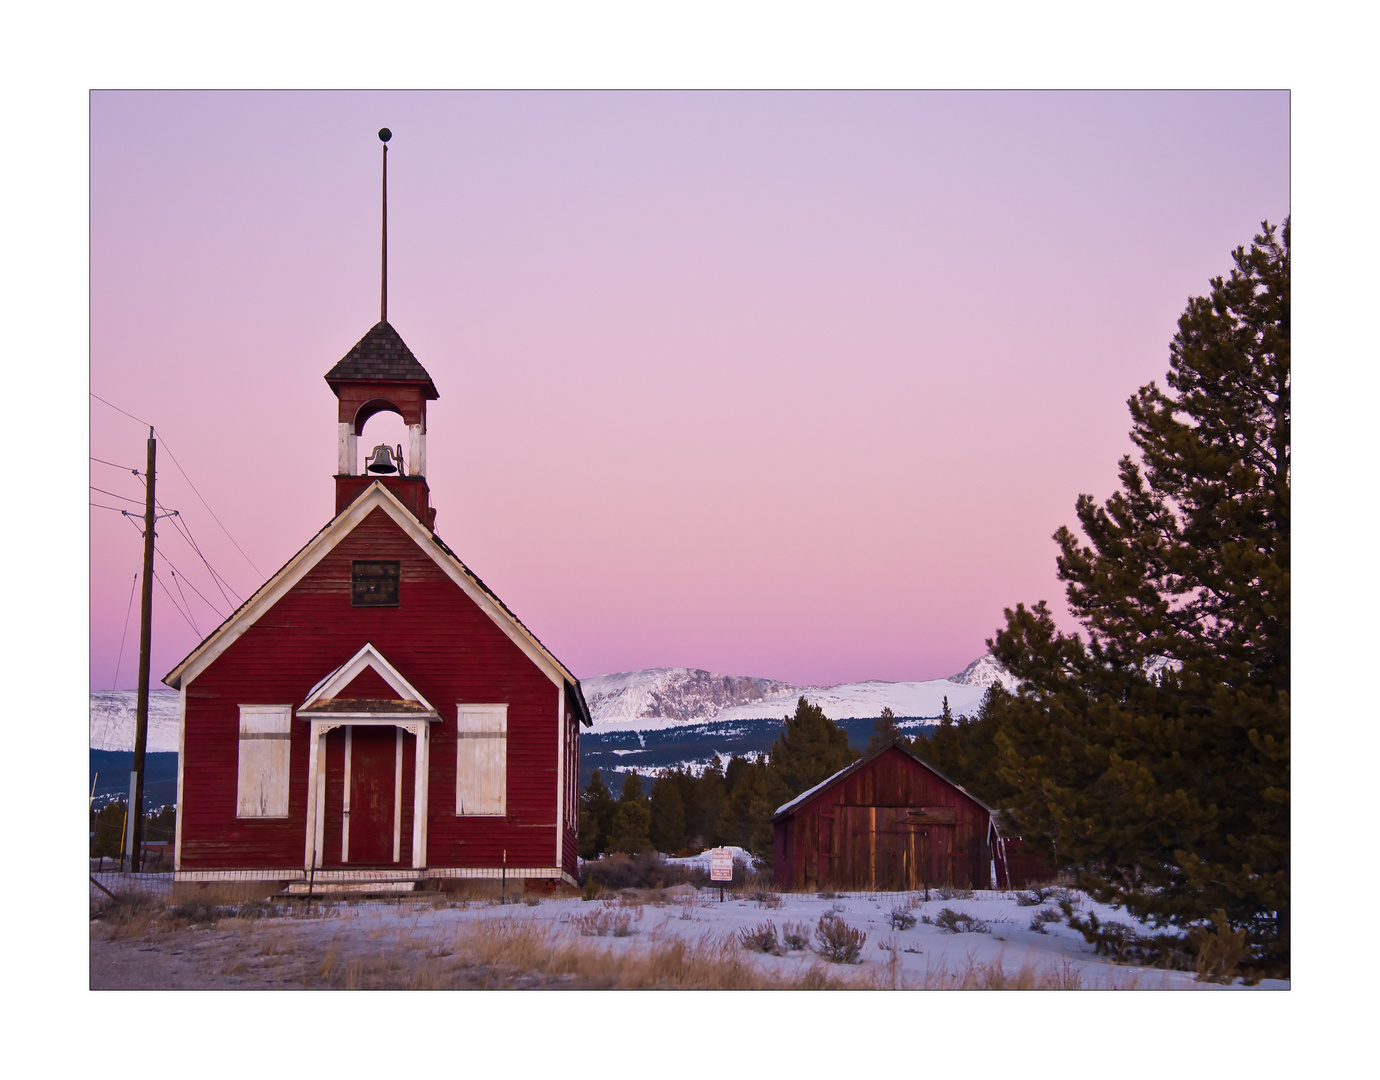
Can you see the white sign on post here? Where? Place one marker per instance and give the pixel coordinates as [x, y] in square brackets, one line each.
[720, 864]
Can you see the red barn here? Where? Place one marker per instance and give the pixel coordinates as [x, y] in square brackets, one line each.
[888, 822]
[374, 716]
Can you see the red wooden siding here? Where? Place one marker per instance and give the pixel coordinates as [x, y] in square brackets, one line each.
[442, 643]
[892, 824]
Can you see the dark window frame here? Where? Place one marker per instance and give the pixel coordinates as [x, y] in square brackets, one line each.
[389, 576]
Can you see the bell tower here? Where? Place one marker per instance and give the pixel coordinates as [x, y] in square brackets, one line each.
[380, 374]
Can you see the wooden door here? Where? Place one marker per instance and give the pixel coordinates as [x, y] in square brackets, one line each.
[373, 773]
[886, 849]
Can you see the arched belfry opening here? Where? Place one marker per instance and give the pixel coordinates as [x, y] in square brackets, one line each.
[380, 374]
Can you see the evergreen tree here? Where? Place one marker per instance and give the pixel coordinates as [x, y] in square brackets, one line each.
[632, 789]
[597, 808]
[631, 828]
[1170, 790]
[811, 748]
[711, 795]
[884, 730]
[965, 750]
[667, 824]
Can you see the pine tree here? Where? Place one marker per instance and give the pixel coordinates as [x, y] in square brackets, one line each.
[1170, 790]
[667, 825]
[811, 748]
[884, 730]
[631, 828]
[632, 789]
[597, 808]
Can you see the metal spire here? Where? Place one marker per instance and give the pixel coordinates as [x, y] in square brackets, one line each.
[384, 136]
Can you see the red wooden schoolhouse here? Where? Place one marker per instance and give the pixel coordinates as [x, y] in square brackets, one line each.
[374, 716]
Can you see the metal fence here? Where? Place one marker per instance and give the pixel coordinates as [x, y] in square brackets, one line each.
[118, 881]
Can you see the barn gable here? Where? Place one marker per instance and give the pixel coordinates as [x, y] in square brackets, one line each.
[377, 497]
[889, 821]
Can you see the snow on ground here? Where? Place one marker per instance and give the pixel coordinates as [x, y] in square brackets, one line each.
[917, 956]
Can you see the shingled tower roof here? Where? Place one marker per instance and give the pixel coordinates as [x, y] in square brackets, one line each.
[381, 356]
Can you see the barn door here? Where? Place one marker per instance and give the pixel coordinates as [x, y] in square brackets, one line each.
[372, 770]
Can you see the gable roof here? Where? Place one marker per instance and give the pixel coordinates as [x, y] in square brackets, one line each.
[377, 496]
[381, 355]
[368, 658]
[805, 796]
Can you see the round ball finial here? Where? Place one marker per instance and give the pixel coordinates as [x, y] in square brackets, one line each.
[384, 134]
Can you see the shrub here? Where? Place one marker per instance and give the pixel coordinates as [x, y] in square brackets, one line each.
[795, 936]
[604, 923]
[196, 912]
[901, 919]
[592, 890]
[947, 892]
[957, 922]
[1033, 898]
[760, 939]
[766, 898]
[838, 942]
[1041, 918]
[827, 894]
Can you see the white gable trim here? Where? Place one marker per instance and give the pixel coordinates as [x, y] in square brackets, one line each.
[376, 496]
[346, 673]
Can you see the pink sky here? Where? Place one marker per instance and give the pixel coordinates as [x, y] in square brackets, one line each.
[791, 385]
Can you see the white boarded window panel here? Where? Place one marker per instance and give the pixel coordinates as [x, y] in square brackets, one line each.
[481, 767]
[265, 743]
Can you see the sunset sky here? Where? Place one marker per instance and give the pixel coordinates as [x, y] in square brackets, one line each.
[794, 385]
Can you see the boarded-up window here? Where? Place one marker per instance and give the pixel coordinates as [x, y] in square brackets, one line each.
[481, 767]
[265, 742]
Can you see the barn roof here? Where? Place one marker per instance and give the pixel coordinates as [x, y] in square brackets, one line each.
[862, 763]
[376, 496]
[381, 355]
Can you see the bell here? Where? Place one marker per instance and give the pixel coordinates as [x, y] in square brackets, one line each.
[381, 460]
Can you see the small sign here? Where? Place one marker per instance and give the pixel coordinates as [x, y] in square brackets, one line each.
[720, 864]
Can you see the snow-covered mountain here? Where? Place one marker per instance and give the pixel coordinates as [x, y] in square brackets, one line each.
[643, 701]
[983, 672]
[667, 697]
[680, 694]
[113, 715]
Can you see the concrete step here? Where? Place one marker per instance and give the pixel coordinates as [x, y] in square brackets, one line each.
[350, 888]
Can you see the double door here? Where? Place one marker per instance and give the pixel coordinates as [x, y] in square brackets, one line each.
[885, 849]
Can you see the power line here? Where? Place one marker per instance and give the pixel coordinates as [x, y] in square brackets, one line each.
[102, 506]
[185, 531]
[185, 617]
[113, 495]
[118, 409]
[208, 507]
[184, 600]
[189, 481]
[194, 589]
[116, 681]
[102, 461]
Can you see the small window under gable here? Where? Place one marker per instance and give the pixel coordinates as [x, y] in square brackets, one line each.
[265, 746]
[481, 767]
[374, 583]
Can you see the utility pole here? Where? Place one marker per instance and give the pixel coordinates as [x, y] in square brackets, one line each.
[134, 830]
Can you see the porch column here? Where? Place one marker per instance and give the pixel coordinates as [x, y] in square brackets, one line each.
[316, 795]
[420, 785]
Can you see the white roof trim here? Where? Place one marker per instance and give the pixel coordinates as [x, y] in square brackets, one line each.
[376, 496]
[346, 673]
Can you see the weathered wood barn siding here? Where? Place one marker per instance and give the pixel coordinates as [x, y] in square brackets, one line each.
[887, 822]
[445, 645]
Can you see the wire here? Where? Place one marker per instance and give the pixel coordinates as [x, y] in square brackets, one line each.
[125, 631]
[208, 507]
[194, 589]
[137, 502]
[187, 618]
[102, 506]
[185, 531]
[184, 599]
[112, 464]
[119, 410]
[189, 482]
